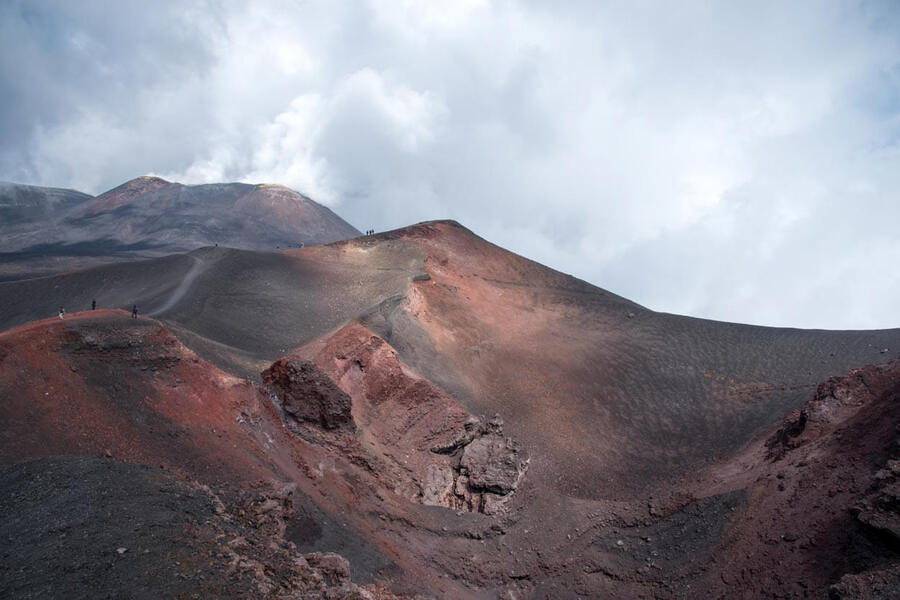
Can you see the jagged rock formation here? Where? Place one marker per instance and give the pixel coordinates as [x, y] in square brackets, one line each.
[485, 470]
[420, 441]
[827, 484]
[836, 400]
[491, 464]
[305, 393]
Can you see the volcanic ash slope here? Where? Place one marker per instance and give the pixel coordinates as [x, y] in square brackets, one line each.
[460, 422]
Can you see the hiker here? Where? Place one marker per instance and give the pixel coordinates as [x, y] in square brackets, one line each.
[134, 311]
[93, 304]
[62, 312]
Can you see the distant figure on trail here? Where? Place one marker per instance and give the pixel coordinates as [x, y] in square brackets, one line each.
[134, 311]
[93, 304]
[62, 312]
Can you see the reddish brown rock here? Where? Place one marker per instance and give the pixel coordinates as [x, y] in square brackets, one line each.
[333, 567]
[307, 394]
[881, 584]
[836, 401]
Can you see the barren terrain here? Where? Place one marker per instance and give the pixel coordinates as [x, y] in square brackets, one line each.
[452, 419]
[48, 230]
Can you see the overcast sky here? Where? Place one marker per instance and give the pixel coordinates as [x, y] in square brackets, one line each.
[731, 160]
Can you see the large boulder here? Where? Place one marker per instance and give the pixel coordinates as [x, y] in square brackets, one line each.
[307, 394]
[492, 464]
[334, 568]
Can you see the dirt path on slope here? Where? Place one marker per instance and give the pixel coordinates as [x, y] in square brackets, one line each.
[179, 292]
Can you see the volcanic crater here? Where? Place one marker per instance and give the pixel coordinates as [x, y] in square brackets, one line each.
[422, 414]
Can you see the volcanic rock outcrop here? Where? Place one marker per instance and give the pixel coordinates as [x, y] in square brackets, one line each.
[414, 437]
[486, 468]
[306, 394]
[826, 489]
[835, 401]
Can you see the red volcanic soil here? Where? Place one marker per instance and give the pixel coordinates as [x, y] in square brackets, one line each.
[460, 422]
[125, 194]
[823, 496]
[615, 399]
[102, 383]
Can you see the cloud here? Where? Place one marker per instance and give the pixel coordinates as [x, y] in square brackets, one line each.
[730, 161]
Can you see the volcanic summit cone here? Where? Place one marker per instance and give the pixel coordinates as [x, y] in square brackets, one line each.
[47, 230]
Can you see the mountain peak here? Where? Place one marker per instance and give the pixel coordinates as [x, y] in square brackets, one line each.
[122, 194]
[143, 181]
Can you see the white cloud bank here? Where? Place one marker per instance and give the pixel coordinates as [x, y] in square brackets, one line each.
[736, 161]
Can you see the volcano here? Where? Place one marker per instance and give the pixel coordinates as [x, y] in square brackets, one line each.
[422, 414]
[48, 230]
